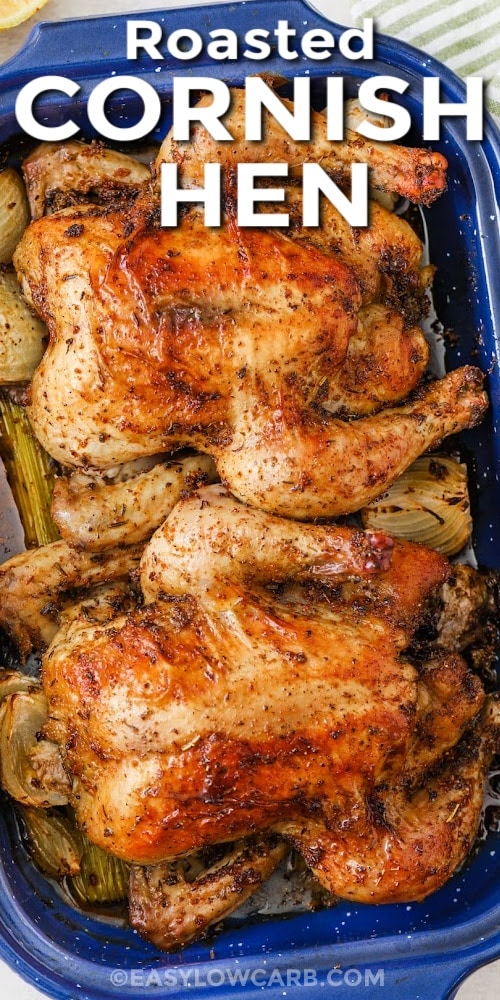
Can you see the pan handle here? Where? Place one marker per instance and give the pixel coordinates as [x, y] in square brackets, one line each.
[398, 977]
[432, 980]
[56, 48]
[98, 48]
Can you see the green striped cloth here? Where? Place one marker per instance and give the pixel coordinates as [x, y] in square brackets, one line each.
[460, 33]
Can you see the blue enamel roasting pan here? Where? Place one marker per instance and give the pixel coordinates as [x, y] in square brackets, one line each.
[399, 951]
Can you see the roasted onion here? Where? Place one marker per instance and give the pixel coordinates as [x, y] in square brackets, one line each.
[429, 504]
[22, 334]
[14, 212]
[30, 782]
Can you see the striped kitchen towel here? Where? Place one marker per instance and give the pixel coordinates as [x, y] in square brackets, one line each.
[460, 33]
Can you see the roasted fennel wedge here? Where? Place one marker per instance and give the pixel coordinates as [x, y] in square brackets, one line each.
[55, 844]
[61, 851]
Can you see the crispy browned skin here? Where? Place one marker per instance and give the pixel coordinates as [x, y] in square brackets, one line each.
[404, 844]
[384, 362]
[386, 255]
[224, 708]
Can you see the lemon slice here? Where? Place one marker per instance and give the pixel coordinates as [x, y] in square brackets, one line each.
[13, 12]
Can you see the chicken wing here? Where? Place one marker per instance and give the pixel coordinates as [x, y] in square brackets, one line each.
[103, 525]
[173, 904]
[33, 585]
[95, 513]
[60, 174]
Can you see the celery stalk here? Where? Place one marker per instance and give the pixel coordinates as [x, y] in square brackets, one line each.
[29, 471]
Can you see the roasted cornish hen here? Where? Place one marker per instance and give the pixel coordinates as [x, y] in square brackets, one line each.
[264, 687]
[251, 345]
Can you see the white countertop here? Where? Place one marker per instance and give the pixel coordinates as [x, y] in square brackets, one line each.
[484, 984]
